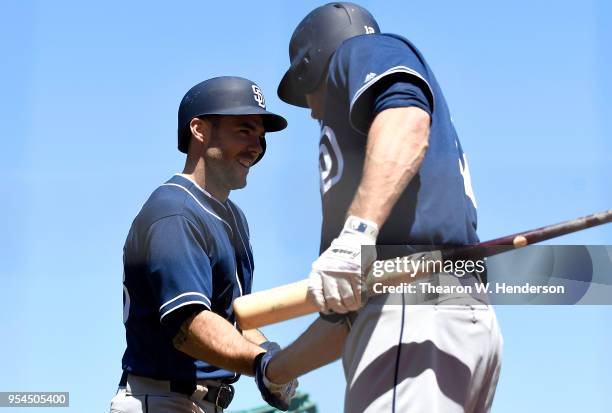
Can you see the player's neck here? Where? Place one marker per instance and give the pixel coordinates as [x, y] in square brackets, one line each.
[197, 174]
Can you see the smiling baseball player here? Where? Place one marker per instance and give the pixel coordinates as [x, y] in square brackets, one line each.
[392, 172]
[188, 256]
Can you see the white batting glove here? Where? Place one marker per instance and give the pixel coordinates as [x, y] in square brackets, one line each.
[336, 282]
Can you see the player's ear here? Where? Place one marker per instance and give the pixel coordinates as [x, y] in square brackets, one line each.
[200, 130]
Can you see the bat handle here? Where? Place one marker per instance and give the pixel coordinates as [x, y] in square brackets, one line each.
[272, 306]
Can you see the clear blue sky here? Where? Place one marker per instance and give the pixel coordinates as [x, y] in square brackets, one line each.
[88, 99]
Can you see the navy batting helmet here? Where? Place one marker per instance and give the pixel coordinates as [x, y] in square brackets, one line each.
[313, 43]
[225, 95]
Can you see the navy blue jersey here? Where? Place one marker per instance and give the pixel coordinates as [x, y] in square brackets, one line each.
[366, 75]
[185, 251]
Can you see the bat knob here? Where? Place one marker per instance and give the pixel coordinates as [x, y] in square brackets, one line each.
[519, 241]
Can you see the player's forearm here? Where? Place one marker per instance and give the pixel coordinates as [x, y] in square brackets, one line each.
[397, 142]
[209, 337]
[254, 336]
[319, 345]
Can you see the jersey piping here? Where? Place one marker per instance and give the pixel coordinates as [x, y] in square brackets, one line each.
[183, 295]
[182, 305]
[396, 69]
[200, 204]
[204, 191]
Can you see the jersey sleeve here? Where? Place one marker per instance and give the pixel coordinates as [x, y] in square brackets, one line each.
[179, 267]
[378, 72]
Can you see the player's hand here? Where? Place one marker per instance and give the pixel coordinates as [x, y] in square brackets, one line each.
[276, 395]
[336, 282]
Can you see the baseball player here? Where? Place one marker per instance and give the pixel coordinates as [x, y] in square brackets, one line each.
[392, 172]
[188, 256]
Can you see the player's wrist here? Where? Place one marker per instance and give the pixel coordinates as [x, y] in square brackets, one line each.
[357, 226]
[265, 347]
[275, 373]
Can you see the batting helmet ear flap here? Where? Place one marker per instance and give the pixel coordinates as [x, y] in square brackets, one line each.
[262, 142]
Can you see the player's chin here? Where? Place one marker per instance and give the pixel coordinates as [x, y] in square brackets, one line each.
[315, 115]
[240, 180]
[241, 184]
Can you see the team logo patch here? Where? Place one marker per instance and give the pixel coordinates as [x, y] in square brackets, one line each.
[331, 162]
[359, 226]
[258, 96]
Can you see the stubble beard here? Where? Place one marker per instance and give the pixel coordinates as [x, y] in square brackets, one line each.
[227, 174]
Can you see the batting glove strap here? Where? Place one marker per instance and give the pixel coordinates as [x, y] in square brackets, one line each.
[356, 225]
[270, 346]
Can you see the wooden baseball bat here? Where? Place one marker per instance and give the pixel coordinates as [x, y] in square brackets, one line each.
[291, 301]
